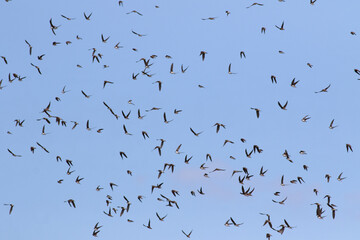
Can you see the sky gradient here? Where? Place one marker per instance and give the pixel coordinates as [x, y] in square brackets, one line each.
[318, 34]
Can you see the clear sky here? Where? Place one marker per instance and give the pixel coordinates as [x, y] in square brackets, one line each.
[318, 34]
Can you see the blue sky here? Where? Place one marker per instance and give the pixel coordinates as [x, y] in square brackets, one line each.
[318, 34]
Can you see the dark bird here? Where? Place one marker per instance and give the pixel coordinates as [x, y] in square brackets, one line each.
[281, 27]
[196, 134]
[202, 54]
[293, 83]
[273, 79]
[324, 90]
[14, 155]
[37, 67]
[104, 40]
[87, 17]
[283, 107]
[11, 207]
[148, 225]
[255, 4]
[348, 147]
[187, 235]
[30, 47]
[257, 112]
[53, 27]
[87, 96]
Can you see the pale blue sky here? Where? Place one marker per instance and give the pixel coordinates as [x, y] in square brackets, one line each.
[318, 34]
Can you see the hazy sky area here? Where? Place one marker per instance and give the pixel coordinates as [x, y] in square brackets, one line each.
[319, 46]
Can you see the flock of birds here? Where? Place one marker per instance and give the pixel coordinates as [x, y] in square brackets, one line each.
[171, 199]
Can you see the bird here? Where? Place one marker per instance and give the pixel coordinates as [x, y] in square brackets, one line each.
[281, 27]
[30, 47]
[229, 69]
[283, 107]
[293, 83]
[202, 54]
[11, 207]
[348, 147]
[53, 27]
[331, 124]
[87, 17]
[257, 112]
[187, 234]
[324, 89]
[195, 133]
[255, 4]
[104, 40]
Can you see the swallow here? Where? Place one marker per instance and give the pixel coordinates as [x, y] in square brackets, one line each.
[183, 70]
[134, 76]
[218, 125]
[235, 224]
[196, 134]
[75, 124]
[281, 27]
[42, 147]
[187, 235]
[304, 119]
[30, 47]
[248, 154]
[138, 34]
[122, 155]
[310, 65]
[161, 218]
[340, 178]
[257, 112]
[229, 69]
[5, 60]
[125, 131]
[209, 18]
[71, 203]
[112, 185]
[98, 188]
[324, 90]
[227, 141]
[242, 54]
[281, 202]
[255, 4]
[293, 83]
[348, 147]
[134, 11]
[87, 17]
[78, 179]
[283, 107]
[312, 2]
[165, 120]
[202, 54]
[172, 69]
[159, 85]
[227, 13]
[67, 18]
[88, 125]
[1, 86]
[11, 207]
[139, 115]
[14, 155]
[273, 79]
[357, 71]
[262, 172]
[107, 82]
[126, 116]
[37, 67]
[263, 29]
[53, 27]
[331, 124]
[176, 111]
[104, 40]
[177, 151]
